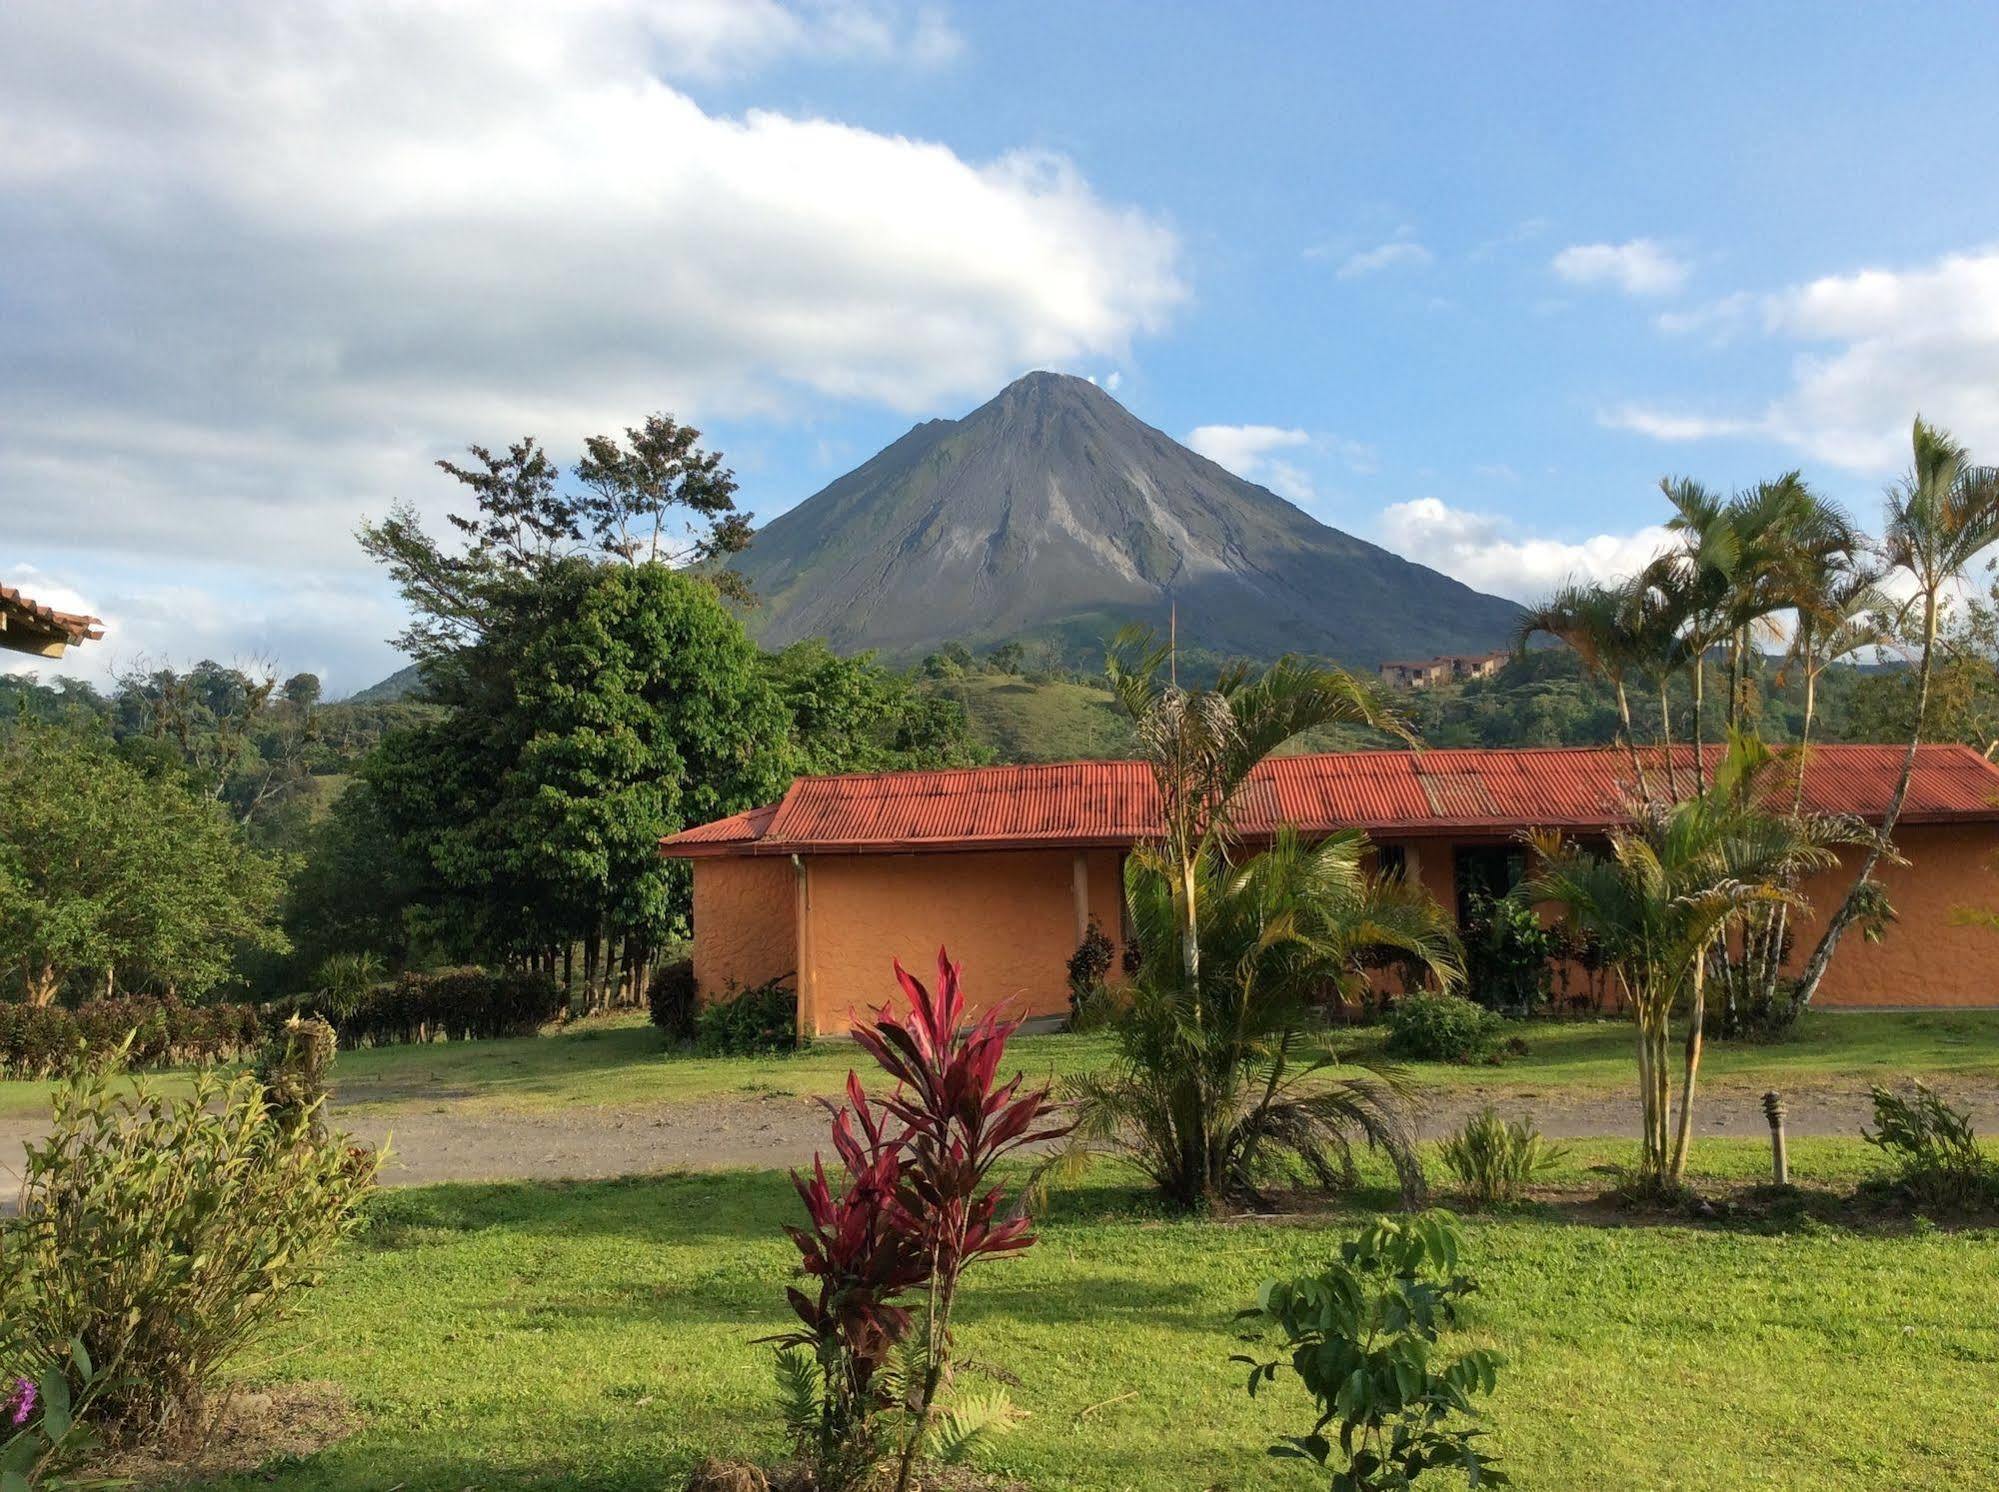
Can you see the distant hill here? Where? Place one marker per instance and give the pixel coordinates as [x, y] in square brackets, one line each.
[399, 685]
[1051, 512]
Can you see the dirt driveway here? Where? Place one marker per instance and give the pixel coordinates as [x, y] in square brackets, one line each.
[587, 1143]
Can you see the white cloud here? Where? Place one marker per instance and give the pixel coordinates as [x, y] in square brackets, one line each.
[1673, 426]
[1639, 267]
[1250, 452]
[336, 627]
[1398, 252]
[1485, 553]
[264, 263]
[1876, 348]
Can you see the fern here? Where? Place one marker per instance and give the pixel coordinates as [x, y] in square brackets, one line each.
[799, 1381]
[970, 1422]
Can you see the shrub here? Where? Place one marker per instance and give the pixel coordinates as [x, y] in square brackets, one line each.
[748, 1023]
[670, 997]
[915, 1209]
[464, 1004]
[1360, 1335]
[1442, 1028]
[164, 1234]
[1507, 954]
[1938, 1163]
[1495, 1161]
[36, 1041]
[1088, 966]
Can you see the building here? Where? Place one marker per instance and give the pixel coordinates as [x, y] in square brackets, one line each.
[1446, 668]
[27, 626]
[1007, 866]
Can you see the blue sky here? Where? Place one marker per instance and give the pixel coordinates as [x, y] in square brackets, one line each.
[1463, 280]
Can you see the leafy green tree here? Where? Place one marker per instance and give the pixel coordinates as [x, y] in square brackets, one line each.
[603, 706]
[353, 888]
[852, 715]
[1362, 1337]
[121, 879]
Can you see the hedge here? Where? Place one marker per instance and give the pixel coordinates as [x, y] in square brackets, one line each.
[36, 1040]
[467, 1004]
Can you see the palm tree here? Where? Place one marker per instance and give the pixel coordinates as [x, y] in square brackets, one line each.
[1788, 539]
[1698, 584]
[1677, 880]
[1202, 744]
[1604, 627]
[1941, 516]
[1216, 1089]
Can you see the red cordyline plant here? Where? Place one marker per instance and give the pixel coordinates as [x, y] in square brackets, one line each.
[916, 1211]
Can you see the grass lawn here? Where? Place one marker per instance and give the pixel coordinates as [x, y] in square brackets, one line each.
[599, 1336]
[618, 1060]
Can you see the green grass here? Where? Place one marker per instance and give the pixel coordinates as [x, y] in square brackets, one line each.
[1022, 721]
[601, 1336]
[619, 1061]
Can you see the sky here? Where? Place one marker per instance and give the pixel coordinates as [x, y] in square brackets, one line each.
[1465, 281]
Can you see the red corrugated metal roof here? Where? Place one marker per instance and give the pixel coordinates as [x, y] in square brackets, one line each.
[1457, 791]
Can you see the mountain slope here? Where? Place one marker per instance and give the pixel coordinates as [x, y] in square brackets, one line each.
[1052, 511]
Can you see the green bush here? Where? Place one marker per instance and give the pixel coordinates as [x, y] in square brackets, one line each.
[1507, 954]
[38, 1040]
[164, 1234]
[746, 1023]
[467, 1004]
[1361, 1335]
[1442, 1028]
[1938, 1163]
[670, 998]
[1495, 1161]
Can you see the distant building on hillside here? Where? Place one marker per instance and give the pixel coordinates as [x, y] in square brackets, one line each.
[1448, 668]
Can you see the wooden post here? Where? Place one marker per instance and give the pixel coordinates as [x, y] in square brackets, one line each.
[1080, 877]
[1780, 1162]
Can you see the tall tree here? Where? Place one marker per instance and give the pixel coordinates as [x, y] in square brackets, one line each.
[118, 878]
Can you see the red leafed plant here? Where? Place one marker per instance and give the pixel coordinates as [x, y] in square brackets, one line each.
[916, 1210]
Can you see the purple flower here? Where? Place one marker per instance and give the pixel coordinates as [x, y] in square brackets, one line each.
[24, 1401]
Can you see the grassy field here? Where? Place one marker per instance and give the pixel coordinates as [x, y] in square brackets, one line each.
[600, 1336]
[619, 1060]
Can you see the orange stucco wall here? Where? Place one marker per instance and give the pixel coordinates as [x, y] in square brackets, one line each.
[1008, 916]
[1925, 957]
[745, 923]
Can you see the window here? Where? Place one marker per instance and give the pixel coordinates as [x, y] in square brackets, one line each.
[1391, 862]
[1489, 870]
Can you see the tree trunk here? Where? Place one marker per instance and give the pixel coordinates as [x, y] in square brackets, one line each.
[1821, 959]
[1666, 737]
[1684, 1133]
[1700, 695]
[590, 941]
[1631, 741]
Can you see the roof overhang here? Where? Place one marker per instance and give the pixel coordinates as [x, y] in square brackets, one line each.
[27, 626]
